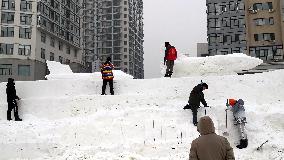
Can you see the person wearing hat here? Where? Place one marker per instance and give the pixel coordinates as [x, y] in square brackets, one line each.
[238, 109]
[209, 145]
[170, 57]
[196, 96]
[107, 75]
[11, 99]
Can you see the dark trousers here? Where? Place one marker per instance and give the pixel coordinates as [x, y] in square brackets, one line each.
[194, 114]
[110, 81]
[170, 66]
[12, 105]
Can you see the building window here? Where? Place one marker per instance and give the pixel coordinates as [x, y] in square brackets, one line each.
[125, 35]
[68, 50]
[75, 53]
[42, 53]
[125, 42]
[265, 6]
[7, 31]
[7, 17]
[67, 61]
[60, 59]
[125, 56]
[26, 5]
[268, 36]
[43, 37]
[125, 50]
[264, 21]
[5, 69]
[24, 50]
[52, 41]
[51, 56]
[60, 46]
[125, 15]
[125, 2]
[125, 63]
[7, 49]
[125, 9]
[271, 20]
[8, 4]
[26, 19]
[25, 32]
[125, 29]
[24, 70]
[257, 6]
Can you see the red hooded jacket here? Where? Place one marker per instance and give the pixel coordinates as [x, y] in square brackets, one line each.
[171, 53]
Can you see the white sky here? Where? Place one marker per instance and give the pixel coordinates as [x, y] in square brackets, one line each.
[181, 22]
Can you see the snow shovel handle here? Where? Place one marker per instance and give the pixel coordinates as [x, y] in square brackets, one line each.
[227, 116]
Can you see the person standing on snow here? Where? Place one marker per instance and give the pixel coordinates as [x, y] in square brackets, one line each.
[11, 99]
[196, 96]
[238, 109]
[107, 75]
[209, 145]
[170, 57]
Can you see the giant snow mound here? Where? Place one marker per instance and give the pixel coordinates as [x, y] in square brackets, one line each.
[61, 71]
[213, 65]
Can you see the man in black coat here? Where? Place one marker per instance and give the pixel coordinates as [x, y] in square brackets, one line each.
[11, 99]
[196, 96]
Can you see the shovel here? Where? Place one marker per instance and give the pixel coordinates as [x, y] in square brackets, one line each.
[226, 133]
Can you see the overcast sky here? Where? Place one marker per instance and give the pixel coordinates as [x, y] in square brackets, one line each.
[181, 22]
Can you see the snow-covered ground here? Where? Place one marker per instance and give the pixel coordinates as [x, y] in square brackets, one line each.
[68, 119]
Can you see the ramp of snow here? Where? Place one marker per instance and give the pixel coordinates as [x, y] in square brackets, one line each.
[56, 68]
[61, 71]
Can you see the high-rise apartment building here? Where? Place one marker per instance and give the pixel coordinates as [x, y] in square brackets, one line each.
[254, 27]
[226, 26]
[265, 29]
[114, 28]
[35, 31]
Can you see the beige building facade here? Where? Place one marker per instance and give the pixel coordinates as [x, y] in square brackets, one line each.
[265, 29]
[35, 31]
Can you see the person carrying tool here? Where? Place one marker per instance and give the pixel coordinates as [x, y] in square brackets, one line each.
[237, 107]
[196, 96]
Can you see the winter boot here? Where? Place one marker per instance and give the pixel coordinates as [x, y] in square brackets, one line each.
[187, 107]
[17, 118]
[243, 144]
[170, 74]
[9, 116]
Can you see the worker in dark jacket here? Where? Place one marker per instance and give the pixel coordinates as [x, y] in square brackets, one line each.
[196, 96]
[169, 59]
[107, 76]
[11, 99]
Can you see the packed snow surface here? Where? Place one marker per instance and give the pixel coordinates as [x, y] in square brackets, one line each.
[68, 119]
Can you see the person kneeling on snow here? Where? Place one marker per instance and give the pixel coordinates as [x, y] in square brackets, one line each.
[196, 96]
[238, 109]
[209, 145]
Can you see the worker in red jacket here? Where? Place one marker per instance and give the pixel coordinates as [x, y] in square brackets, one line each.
[170, 57]
[107, 76]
